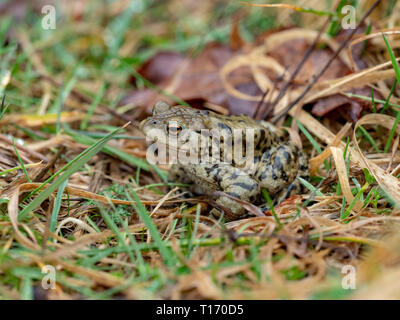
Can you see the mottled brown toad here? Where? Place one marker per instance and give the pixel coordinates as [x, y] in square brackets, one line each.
[276, 162]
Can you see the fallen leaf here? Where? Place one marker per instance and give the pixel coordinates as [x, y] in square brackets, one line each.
[348, 108]
[290, 53]
[197, 81]
[161, 67]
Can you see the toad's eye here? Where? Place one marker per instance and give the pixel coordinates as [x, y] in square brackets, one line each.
[174, 128]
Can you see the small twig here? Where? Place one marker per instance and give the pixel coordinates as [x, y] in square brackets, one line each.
[49, 165]
[269, 106]
[268, 93]
[20, 161]
[257, 110]
[47, 226]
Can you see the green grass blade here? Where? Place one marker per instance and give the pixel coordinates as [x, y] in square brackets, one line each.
[139, 258]
[194, 233]
[137, 162]
[309, 137]
[352, 204]
[20, 161]
[365, 98]
[166, 253]
[392, 58]
[336, 17]
[2, 173]
[389, 96]
[93, 107]
[3, 107]
[27, 288]
[369, 138]
[310, 187]
[313, 142]
[65, 90]
[6, 66]
[67, 171]
[392, 132]
[397, 73]
[111, 224]
[373, 100]
[57, 206]
[99, 135]
[271, 205]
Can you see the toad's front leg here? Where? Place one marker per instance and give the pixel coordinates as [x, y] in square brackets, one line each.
[230, 180]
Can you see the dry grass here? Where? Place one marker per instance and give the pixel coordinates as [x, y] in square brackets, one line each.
[118, 230]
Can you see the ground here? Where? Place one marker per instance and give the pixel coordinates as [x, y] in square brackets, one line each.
[83, 215]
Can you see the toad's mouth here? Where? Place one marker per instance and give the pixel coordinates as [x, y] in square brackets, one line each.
[188, 152]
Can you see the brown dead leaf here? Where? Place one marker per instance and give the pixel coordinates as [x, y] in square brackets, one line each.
[197, 81]
[290, 53]
[201, 78]
[348, 108]
[239, 87]
[161, 67]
